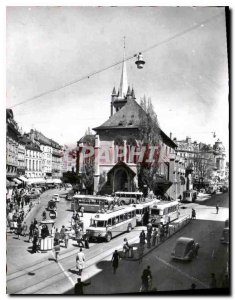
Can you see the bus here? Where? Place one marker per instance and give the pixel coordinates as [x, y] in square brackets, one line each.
[128, 197]
[164, 212]
[111, 223]
[91, 203]
[143, 208]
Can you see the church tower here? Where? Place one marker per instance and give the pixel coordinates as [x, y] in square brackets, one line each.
[118, 100]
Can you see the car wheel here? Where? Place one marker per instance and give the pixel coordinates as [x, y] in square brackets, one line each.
[108, 237]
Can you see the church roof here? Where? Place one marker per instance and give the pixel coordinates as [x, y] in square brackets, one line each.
[129, 116]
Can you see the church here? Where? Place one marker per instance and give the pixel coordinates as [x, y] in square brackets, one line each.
[117, 145]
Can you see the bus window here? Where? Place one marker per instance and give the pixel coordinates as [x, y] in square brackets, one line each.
[157, 212]
[96, 223]
[138, 211]
[125, 216]
[109, 222]
[165, 211]
[121, 218]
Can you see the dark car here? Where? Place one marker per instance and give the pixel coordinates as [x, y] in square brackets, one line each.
[185, 249]
[51, 205]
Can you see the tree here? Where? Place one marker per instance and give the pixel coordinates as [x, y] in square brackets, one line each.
[149, 136]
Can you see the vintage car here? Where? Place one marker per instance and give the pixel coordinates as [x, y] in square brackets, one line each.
[225, 236]
[185, 249]
[51, 206]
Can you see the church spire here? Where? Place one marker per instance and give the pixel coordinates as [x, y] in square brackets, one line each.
[123, 83]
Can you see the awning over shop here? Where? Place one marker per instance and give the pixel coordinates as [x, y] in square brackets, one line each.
[161, 185]
[17, 181]
[53, 180]
[57, 180]
[35, 180]
[23, 178]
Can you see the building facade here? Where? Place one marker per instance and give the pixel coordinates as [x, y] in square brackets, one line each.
[118, 149]
[12, 145]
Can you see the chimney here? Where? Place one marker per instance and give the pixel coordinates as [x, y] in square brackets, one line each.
[171, 135]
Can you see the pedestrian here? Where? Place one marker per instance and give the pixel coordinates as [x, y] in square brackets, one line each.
[146, 280]
[56, 237]
[193, 214]
[62, 233]
[115, 261]
[82, 211]
[213, 283]
[161, 232]
[35, 240]
[31, 229]
[53, 230]
[217, 208]
[149, 235]
[80, 261]
[154, 237]
[86, 241]
[44, 215]
[127, 248]
[24, 229]
[19, 229]
[142, 237]
[79, 238]
[66, 240]
[78, 288]
[57, 251]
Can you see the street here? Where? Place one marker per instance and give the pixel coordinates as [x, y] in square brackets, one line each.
[39, 274]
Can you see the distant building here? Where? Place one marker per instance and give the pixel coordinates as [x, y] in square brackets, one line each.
[12, 145]
[69, 160]
[51, 155]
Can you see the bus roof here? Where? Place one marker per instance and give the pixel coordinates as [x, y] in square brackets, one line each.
[93, 197]
[163, 204]
[112, 213]
[129, 193]
[145, 204]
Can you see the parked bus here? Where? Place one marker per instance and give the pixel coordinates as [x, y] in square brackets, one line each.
[128, 197]
[108, 225]
[91, 203]
[142, 209]
[189, 196]
[164, 212]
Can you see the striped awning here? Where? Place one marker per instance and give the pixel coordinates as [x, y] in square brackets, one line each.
[17, 181]
[23, 178]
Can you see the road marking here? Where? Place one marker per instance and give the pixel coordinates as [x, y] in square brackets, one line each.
[65, 272]
[181, 272]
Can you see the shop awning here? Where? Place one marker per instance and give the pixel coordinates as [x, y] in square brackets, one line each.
[35, 180]
[17, 181]
[23, 178]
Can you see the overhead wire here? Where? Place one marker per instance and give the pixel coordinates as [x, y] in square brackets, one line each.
[119, 62]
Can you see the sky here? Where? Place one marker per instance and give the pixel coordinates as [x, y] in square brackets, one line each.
[185, 77]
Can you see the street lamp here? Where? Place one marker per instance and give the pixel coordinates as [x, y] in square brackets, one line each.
[140, 62]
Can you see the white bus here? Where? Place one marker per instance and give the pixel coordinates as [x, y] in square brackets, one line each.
[143, 208]
[128, 197]
[91, 203]
[111, 223]
[164, 212]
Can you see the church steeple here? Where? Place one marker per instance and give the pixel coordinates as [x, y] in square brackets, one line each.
[123, 82]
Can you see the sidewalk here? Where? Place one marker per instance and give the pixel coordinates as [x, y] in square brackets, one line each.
[138, 254]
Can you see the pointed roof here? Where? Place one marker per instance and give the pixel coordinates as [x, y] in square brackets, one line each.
[133, 94]
[129, 116]
[128, 91]
[123, 82]
[114, 91]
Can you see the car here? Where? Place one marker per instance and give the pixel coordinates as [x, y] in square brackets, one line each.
[56, 197]
[225, 236]
[51, 206]
[185, 249]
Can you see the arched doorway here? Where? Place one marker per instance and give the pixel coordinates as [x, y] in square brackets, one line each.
[121, 180]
